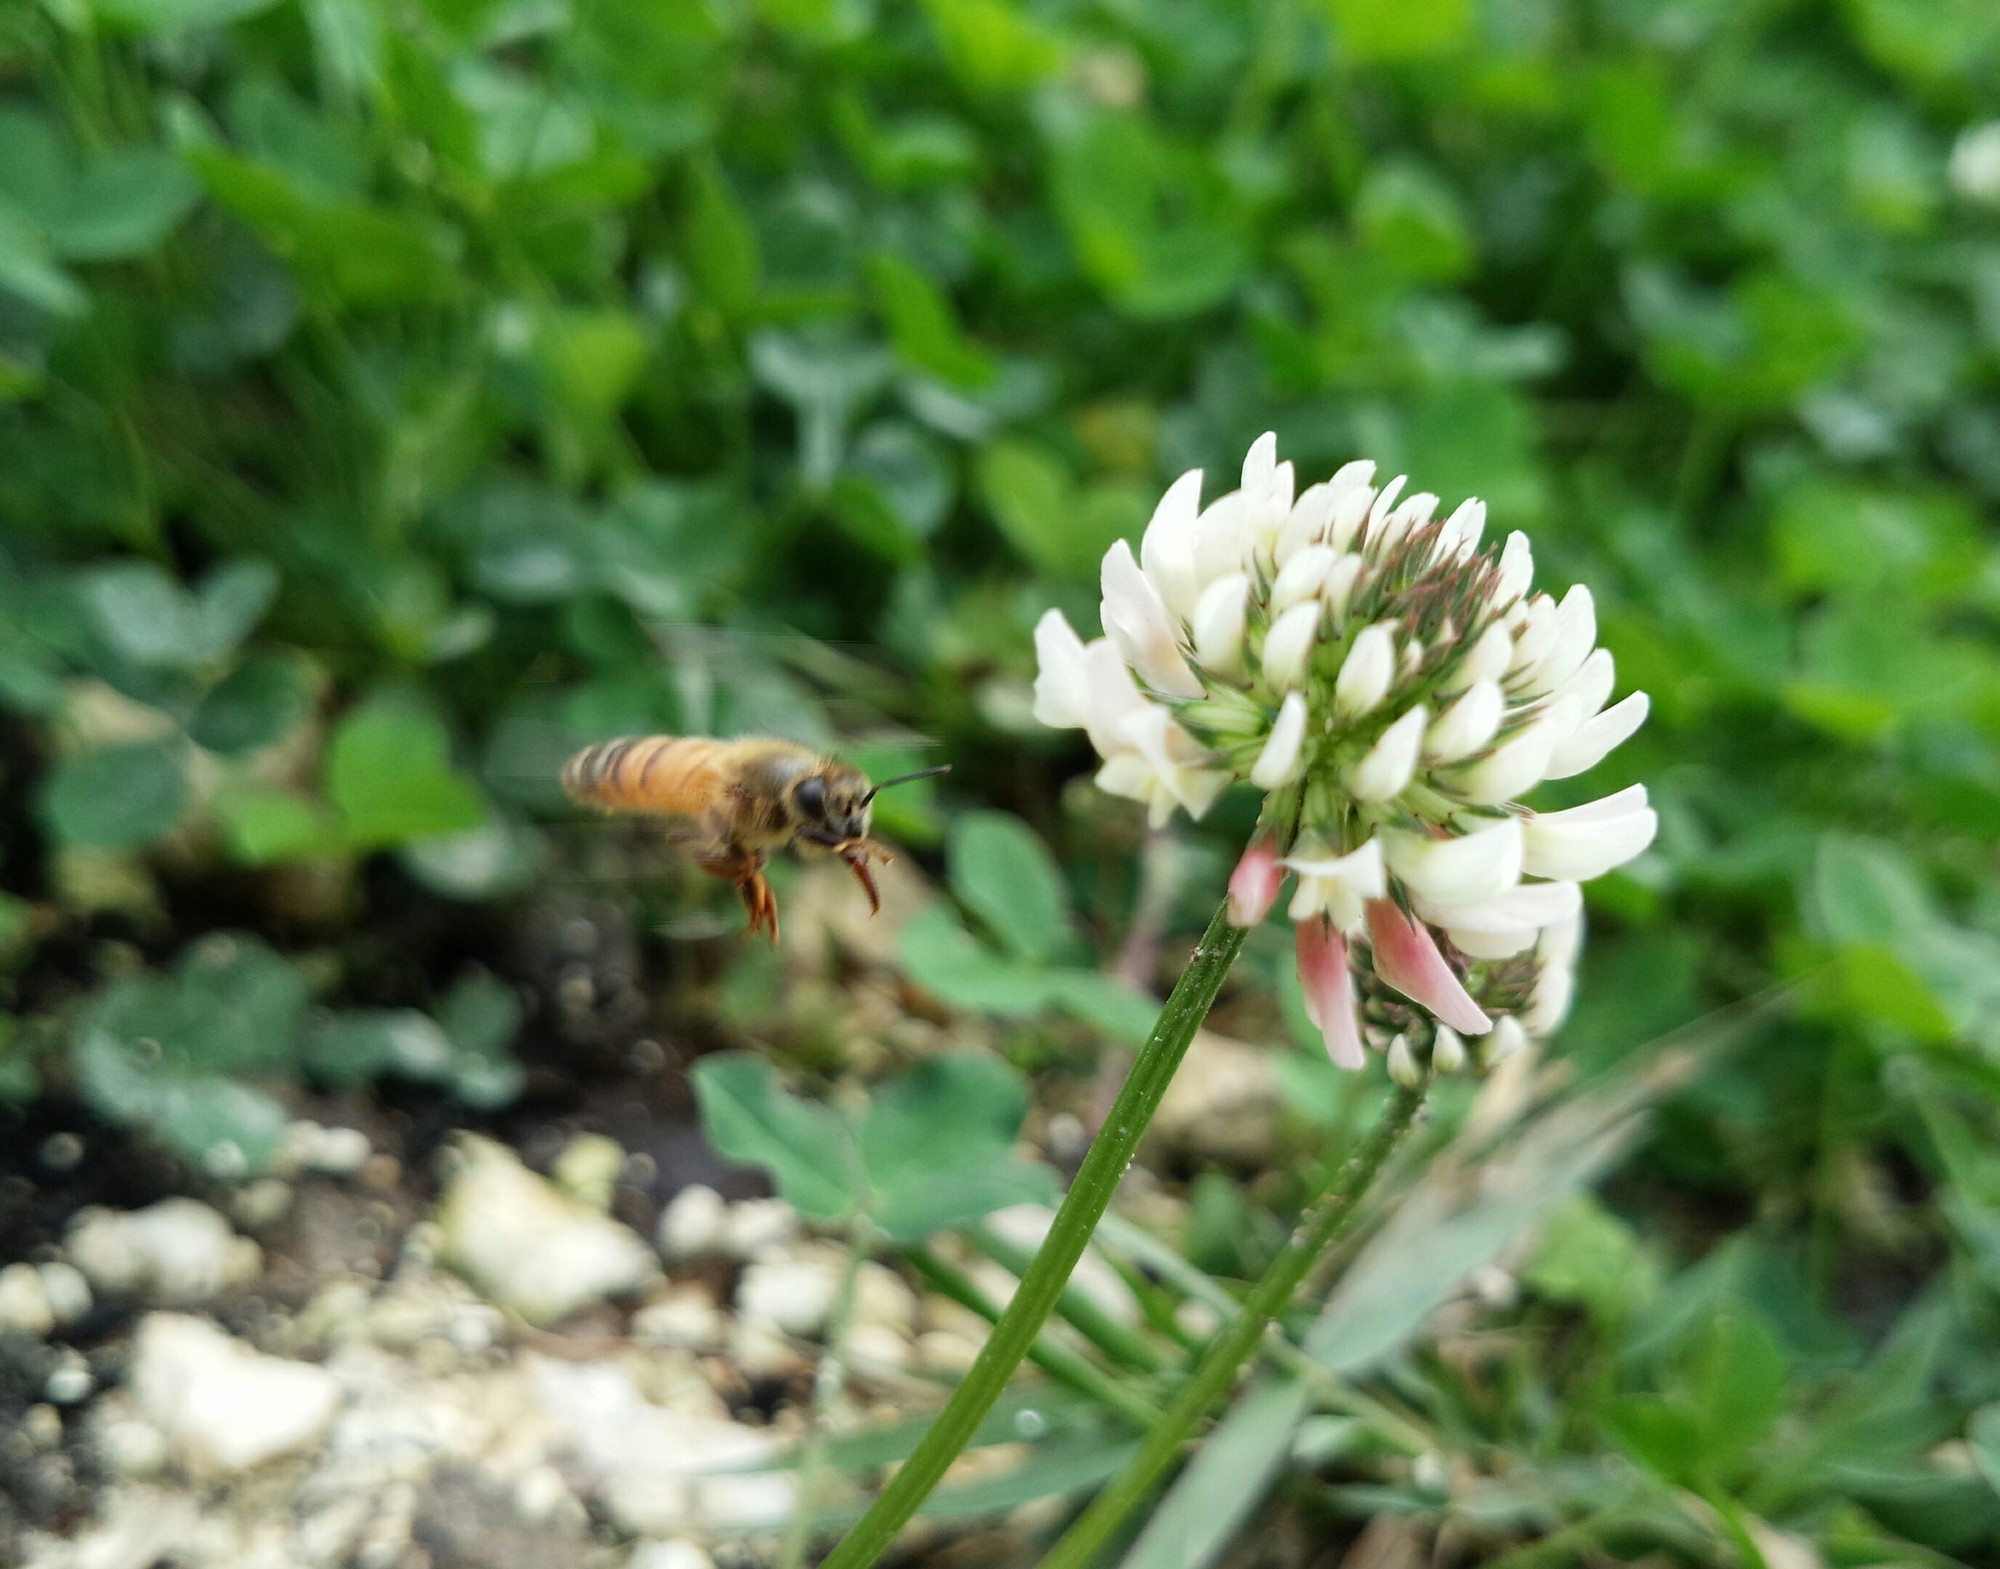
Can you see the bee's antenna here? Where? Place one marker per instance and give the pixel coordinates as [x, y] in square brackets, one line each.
[921, 773]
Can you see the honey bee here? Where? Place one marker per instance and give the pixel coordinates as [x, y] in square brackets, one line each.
[738, 801]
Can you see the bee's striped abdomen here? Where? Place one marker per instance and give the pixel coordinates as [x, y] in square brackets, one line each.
[667, 774]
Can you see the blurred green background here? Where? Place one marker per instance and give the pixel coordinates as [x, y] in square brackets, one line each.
[397, 393]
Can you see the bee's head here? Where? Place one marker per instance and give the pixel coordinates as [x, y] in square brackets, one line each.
[831, 806]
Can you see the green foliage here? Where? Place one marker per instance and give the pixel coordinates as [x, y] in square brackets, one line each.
[115, 797]
[167, 1052]
[389, 403]
[1587, 1256]
[389, 777]
[932, 1151]
[186, 1055]
[1004, 876]
[807, 1148]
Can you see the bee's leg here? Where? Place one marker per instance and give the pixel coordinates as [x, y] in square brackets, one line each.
[857, 853]
[745, 869]
[762, 905]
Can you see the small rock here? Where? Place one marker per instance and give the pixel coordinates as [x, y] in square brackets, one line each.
[946, 1351]
[587, 1169]
[463, 1521]
[1197, 1320]
[758, 1226]
[130, 1445]
[685, 1318]
[541, 1494]
[875, 1347]
[695, 1222]
[1224, 1102]
[222, 1406]
[24, 1301]
[659, 1469]
[761, 1352]
[176, 1253]
[42, 1426]
[529, 1248]
[940, 1312]
[261, 1203]
[882, 1299]
[137, 1527]
[677, 1552]
[426, 1309]
[793, 1293]
[69, 1381]
[382, 1174]
[331, 1152]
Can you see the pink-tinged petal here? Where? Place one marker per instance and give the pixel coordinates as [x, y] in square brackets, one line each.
[1407, 958]
[1329, 992]
[1254, 885]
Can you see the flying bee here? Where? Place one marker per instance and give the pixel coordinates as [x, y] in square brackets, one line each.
[736, 802]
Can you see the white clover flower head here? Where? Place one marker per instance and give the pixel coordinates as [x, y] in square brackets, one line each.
[1394, 684]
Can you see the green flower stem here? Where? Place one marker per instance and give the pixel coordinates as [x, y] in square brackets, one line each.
[1323, 1224]
[1042, 1286]
[1065, 1366]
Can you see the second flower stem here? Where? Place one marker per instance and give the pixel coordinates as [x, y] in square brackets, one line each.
[1323, 1224]
[1042, 1286]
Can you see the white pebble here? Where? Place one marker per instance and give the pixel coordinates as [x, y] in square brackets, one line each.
[675, 1553]
[24, 1301]
[1198, 1319]
[177, 1252]
[68, 1292]
[695, 1221]
[130, 1445]
[222, 1406]
[758, 1226]
[883, 1301]
[875, 1346]
[946, 1351]
[261, 1203]
[540, 1494]
[332, 1152]
[69, 1381]
[685, 1318]
[587, 1169]
[660, 1470]
[790, 1293]
[42, 1426]
[760, 1351]
[529, 1248]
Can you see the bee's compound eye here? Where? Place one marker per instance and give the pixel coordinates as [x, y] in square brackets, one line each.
[811, 797]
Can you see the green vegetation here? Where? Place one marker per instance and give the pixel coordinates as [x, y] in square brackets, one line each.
[395, 394]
